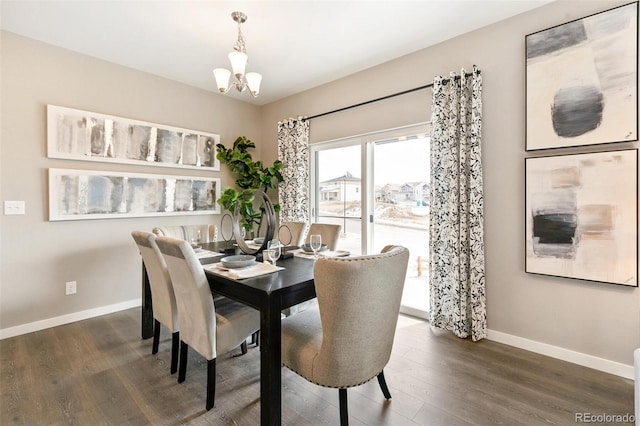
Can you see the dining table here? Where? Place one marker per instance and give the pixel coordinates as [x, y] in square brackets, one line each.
[269, 294]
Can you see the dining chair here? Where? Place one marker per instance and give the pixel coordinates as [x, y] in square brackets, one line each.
[329, 232]
[346, 340]
[165, 310]
[211, 329]
[208, 232]
[292, 233]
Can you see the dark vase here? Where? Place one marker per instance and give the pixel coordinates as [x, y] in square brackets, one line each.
[269, 217]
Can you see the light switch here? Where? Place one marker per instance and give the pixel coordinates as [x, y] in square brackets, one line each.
[14, 207]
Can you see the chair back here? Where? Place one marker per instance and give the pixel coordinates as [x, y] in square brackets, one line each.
[196, 311]
[208, 232]
[329, 232]
[295, 230]
[359, 302]
[164, 302]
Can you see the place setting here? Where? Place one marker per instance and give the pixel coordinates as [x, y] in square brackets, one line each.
[200, 252]
[314, 249]
[243, 266]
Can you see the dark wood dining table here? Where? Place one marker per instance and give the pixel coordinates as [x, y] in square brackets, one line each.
[267, 293]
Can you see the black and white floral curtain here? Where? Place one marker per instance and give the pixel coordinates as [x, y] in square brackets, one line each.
[457, 279]
[293, 151]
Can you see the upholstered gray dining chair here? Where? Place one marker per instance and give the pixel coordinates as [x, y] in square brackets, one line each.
[347, 339]
[292, 233]
[211, 329]
[165, 310]
[329, 232]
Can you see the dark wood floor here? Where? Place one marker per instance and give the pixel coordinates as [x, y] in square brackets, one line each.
[99, 371]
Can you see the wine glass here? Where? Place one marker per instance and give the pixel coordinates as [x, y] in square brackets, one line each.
[195, 239]
[316, 243]
[273, 251]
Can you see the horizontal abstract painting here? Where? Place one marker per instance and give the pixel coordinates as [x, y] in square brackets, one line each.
[582, 81]
[582, 216]
[86, 194]
[83, 135]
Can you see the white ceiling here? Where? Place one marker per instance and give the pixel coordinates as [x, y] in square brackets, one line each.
[295, 45]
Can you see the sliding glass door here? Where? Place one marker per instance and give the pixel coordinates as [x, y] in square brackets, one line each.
[376, 187]
[401, 210]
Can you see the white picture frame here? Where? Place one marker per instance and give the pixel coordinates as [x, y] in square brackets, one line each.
[90, 136]
[87, 194]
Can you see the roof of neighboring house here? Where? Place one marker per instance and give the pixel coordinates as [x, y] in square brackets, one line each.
[392, 187]
[347, 177]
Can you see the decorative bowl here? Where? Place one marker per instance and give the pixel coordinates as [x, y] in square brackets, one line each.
[238, 261]
[258, 240]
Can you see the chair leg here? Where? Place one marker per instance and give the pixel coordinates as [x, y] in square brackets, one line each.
[255, 338]
[183, 361]
[344, 415]
[156, 336]
[175, 343]
[383, 385]
[211, 383]
[243, 347]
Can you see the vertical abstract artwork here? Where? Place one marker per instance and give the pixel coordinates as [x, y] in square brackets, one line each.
[582, 216]
[85, 194]
[581, 81]
[82, 135]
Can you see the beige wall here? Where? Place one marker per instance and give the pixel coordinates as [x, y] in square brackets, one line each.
[595, 319]
[38, 256]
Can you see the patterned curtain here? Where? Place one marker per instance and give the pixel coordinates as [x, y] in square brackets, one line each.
[457, 282]
[293, 151]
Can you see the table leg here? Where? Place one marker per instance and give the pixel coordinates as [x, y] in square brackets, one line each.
[270, 364]
[147, 307]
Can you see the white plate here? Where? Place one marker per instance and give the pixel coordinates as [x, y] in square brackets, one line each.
[238, 261]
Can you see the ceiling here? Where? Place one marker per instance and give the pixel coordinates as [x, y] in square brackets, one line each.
[295, 45]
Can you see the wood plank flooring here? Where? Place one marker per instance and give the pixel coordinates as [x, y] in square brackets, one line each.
[99, 372]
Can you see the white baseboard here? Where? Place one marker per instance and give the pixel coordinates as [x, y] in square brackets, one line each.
[5, 333]
[579, 358]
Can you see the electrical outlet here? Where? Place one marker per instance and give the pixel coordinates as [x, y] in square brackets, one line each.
[14, 207]
[70, 288]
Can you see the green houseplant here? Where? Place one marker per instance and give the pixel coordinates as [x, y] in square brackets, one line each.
[252, 177]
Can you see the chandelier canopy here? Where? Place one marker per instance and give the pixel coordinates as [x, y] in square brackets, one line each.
[238, 60]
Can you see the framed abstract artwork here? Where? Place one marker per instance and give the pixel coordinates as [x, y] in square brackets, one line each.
[82, 135]
[582, 81]
[582, 216]
[88, 194]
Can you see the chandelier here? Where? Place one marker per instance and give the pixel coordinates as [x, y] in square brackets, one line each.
[238, 60]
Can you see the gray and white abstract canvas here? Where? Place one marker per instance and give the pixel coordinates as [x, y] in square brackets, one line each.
[86, 194]
[581, 81]
[83, 135]
[582, 216]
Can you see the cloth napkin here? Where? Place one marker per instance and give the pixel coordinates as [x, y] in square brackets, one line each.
[326, 253]
[206, 253]
[260, 268]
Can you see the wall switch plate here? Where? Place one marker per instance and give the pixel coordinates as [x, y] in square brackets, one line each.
[70, 287]
[14, 207]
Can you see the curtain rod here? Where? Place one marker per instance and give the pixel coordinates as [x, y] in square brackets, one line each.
[415, 89]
